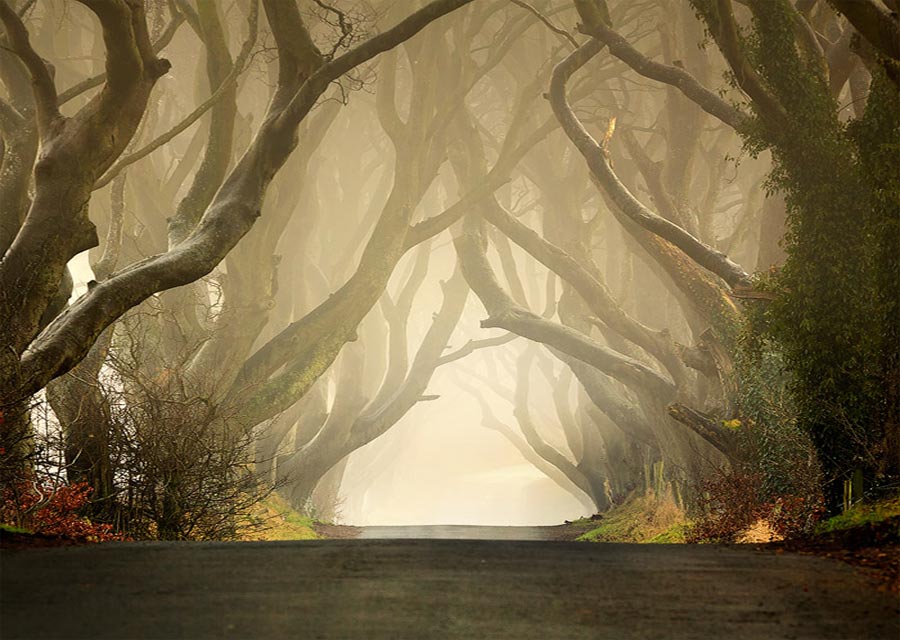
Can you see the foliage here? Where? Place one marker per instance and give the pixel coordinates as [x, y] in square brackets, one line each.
[53, 510]
[735, 499]
[861, 515]
[777, 476]
[771, 441]
[834, 317]
[6, 528]
[676, 534]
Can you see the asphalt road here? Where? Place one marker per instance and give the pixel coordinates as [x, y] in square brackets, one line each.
[458, 532]
[472, 589]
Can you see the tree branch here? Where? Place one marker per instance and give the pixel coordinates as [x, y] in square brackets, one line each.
[725, 31]
[45, 97]
[224, 87]
[474, 345]
[124, 63]
[504, 313]
[306, 97]
[95, 81]
[230, 216]
[598, 162]
[876, 25]
[540, 16]
[705, 427]
[674, 76]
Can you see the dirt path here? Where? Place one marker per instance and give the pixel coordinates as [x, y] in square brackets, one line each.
[434, 589]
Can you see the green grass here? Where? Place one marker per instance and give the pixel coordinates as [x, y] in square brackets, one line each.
[862, 515]
[639, 519]
[283, 522]
[676, 534]
[8, 528]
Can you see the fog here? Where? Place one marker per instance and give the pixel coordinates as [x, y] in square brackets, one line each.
[485, 272]
[445, 469]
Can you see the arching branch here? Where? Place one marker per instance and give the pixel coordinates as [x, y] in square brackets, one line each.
[45, 96]
[598, 162]
[671, 75]
[876, 25]
[224, 87]
[504, 313]
[227, 220]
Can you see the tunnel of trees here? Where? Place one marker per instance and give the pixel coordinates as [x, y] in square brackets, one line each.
[653, 243]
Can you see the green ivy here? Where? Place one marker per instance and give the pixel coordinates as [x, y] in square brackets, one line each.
[834, 322]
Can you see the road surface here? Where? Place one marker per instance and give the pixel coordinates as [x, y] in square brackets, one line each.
[419, 589]
[458, 532]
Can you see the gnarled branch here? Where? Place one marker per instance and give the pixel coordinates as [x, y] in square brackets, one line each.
[45, 96]
[598, 162]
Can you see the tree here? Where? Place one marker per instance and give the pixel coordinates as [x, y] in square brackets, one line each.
[41, 343]
[835, 299]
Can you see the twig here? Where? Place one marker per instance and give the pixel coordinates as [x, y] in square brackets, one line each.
[562, 32]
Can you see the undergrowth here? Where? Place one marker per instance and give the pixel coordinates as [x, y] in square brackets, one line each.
[54, 510]
[279, 521]
[639, 519]
[862, 515]
[736, 500]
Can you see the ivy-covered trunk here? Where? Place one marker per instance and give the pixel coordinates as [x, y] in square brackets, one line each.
[835, 314]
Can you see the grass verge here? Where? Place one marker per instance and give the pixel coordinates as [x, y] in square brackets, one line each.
[862, 515]
[644, 519]
[281, 522]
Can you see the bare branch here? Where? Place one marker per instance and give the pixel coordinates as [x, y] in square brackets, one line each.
[474, 345]
[493, 180]
[504, 313]
[45, 97]
[671, 75]
[229, 81]
[306, 97]
[95, 81]
[540, 16]
[230, 216]
[598, 162]
[113, 245]
[346, 26]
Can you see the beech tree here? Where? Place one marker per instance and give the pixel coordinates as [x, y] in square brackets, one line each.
[42, 342]
[833, 309]
[665, 278]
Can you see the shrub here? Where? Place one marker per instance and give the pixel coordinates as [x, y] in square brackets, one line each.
[735, 499]
[52, 510]
[777, 476]
[183, 470]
